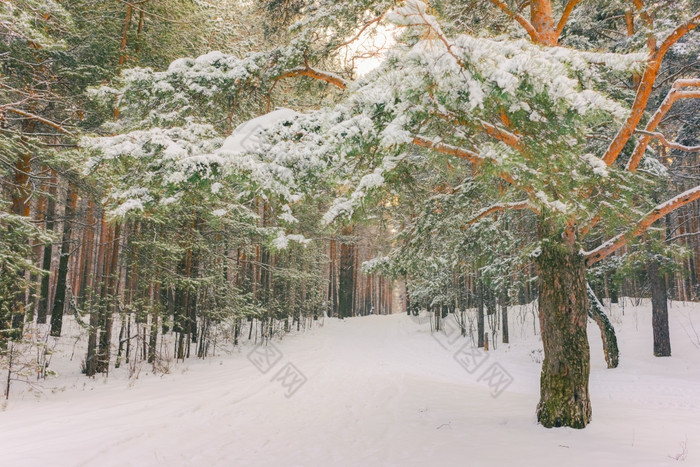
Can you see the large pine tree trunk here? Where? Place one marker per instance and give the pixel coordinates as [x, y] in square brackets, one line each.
[659, 310]
[563, 307]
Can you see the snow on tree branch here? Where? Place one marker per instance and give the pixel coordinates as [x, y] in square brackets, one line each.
[642, 226]
[500, 207]
[45, 121]
[673, 95]
[646, 86]
[310, 72]
[669, 144]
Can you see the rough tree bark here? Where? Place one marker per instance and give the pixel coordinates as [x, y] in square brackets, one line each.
[563, 307]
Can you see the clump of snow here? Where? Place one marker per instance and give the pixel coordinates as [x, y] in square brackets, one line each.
[372, 264]
[344, 207]
[281, 242]
[395, 133]
[552, 204]
[287, 215]
[248, 136]
[653, 166]
[600, 168]
[340, 207]
[370, 181]
[126, 207]
[170, 200]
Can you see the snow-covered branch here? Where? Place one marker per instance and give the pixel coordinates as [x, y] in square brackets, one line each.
[669, 144]
[498, 133]
[39, 119]
[362, 29]
[466, 154]
[447, 149]
[607, 248]
[310, 72]
[502, 135]
[678, 33]
[414, 13]
[500, 207]
[646, 86]
[673, 95]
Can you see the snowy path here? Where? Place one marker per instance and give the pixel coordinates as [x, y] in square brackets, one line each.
[380, 391]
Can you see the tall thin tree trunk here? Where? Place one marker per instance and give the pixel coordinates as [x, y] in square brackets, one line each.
[332, 278]
[346, 286]
[125, 32]
[139, 29]
[153, 337]
[109, 300]
[504, 318]
[20, 207]
[95, 311]
[659, 310]
[480, 312]
[60, 297]
[43, 305]
[87, 280]
[192, 301]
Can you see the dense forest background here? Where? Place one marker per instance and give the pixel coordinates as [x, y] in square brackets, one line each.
[184, 269]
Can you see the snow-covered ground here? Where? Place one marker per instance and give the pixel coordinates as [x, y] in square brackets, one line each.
[378, 391]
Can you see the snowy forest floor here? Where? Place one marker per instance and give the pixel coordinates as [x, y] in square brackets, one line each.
[379, 390]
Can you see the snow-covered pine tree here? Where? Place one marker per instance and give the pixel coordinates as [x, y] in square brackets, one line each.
[536, 125]
[529, 115]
